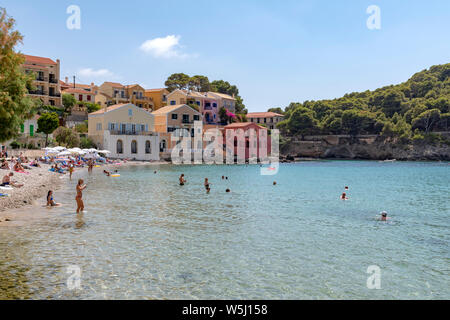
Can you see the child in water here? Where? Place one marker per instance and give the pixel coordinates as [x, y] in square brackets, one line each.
[50, 201]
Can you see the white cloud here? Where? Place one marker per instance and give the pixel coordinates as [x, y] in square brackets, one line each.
[167, 47]
[91, 73]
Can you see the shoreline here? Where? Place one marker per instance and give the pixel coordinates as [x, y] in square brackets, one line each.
[36, 185]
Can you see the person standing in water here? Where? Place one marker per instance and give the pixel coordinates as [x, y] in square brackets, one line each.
[206, 184]
[70, 169]
[79, 197]
[182, 180]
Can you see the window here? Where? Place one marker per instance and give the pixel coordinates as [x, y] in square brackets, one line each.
[265, 120]
[31, 130]
[174, 116]
[80, 97]
[148, 148]
[130, 112]
[215, 105]
[88, 97]
[119, 146]
[173, 102]
[164, 97]
[162, 146]
[99, 126]
[133, 146]
[198, 103]
[143, 127]
[22, 128]
[185, 118]
[196, 117]
[133, 128]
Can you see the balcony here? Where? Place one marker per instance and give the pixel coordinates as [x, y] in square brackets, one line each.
[54, 94]
[37, 92]
[43, 79]
[52, 80]
[131, 133]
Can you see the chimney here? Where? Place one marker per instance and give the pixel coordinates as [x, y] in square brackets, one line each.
[66, 80]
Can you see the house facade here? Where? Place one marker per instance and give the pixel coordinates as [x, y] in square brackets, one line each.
[158, 96]
[208, 103]
[46, 83]
[270, 119]
[173, 117]
[136, 95]
[126, 131]
[239, 132]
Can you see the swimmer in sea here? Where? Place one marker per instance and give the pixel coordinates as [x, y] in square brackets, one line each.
[228, 190]
[182, 180]
[384, 216]
[344, 196]
[107, 173]
[50, 201]
[206, 183]
[79, 197]
[274, 183]
[208, 190]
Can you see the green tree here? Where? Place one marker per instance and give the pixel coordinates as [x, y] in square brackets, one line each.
[68, 101]
[276, 110]
[67, 137]
[92, 107]
[177, 81]
[199, 83]
[427, 120]
[302, 122]
[47, 123]
[15, 105]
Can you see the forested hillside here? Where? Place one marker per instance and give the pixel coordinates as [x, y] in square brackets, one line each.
[410, 110]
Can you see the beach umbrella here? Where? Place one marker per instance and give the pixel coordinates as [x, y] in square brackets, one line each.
[64, 153]
[104, 151]
[59, 148]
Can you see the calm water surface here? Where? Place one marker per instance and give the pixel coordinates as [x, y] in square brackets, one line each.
[146, 237]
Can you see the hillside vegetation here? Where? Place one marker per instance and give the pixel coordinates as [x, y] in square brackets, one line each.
[408, 111]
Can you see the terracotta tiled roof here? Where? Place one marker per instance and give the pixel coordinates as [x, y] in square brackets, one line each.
[110, 108]
[222, 95]
[114, 84]
[34, 59]
[241, 125]
[155, 90]
[263, 115]
[77, 90]
[168, 109]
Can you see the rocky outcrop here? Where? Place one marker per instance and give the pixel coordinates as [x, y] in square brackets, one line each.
[364, 147]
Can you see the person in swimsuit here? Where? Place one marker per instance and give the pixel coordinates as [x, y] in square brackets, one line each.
[344, 196]
[206, 184]
[107, 173]
[6, 181]
[78, 198]
[50, 201]
[228, 190]
[182, 180]
[384, 216]
[70, 170]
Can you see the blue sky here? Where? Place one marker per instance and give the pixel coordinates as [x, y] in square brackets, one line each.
[276, 52]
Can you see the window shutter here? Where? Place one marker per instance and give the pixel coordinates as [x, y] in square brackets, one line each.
[146, 127]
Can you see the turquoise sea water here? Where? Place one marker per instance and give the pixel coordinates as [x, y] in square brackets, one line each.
[146, 237]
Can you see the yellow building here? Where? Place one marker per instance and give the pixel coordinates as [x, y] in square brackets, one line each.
[158, 96]
[119, 119]
[136, 95]
[47, 85]
[168, 119]
[110, 93]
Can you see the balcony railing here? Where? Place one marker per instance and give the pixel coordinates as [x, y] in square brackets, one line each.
[54, 94]
[131, 133]
[41, 78]
[38, 92]
[52, 80]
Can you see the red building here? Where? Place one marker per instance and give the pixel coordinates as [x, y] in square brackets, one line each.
[247, 139]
